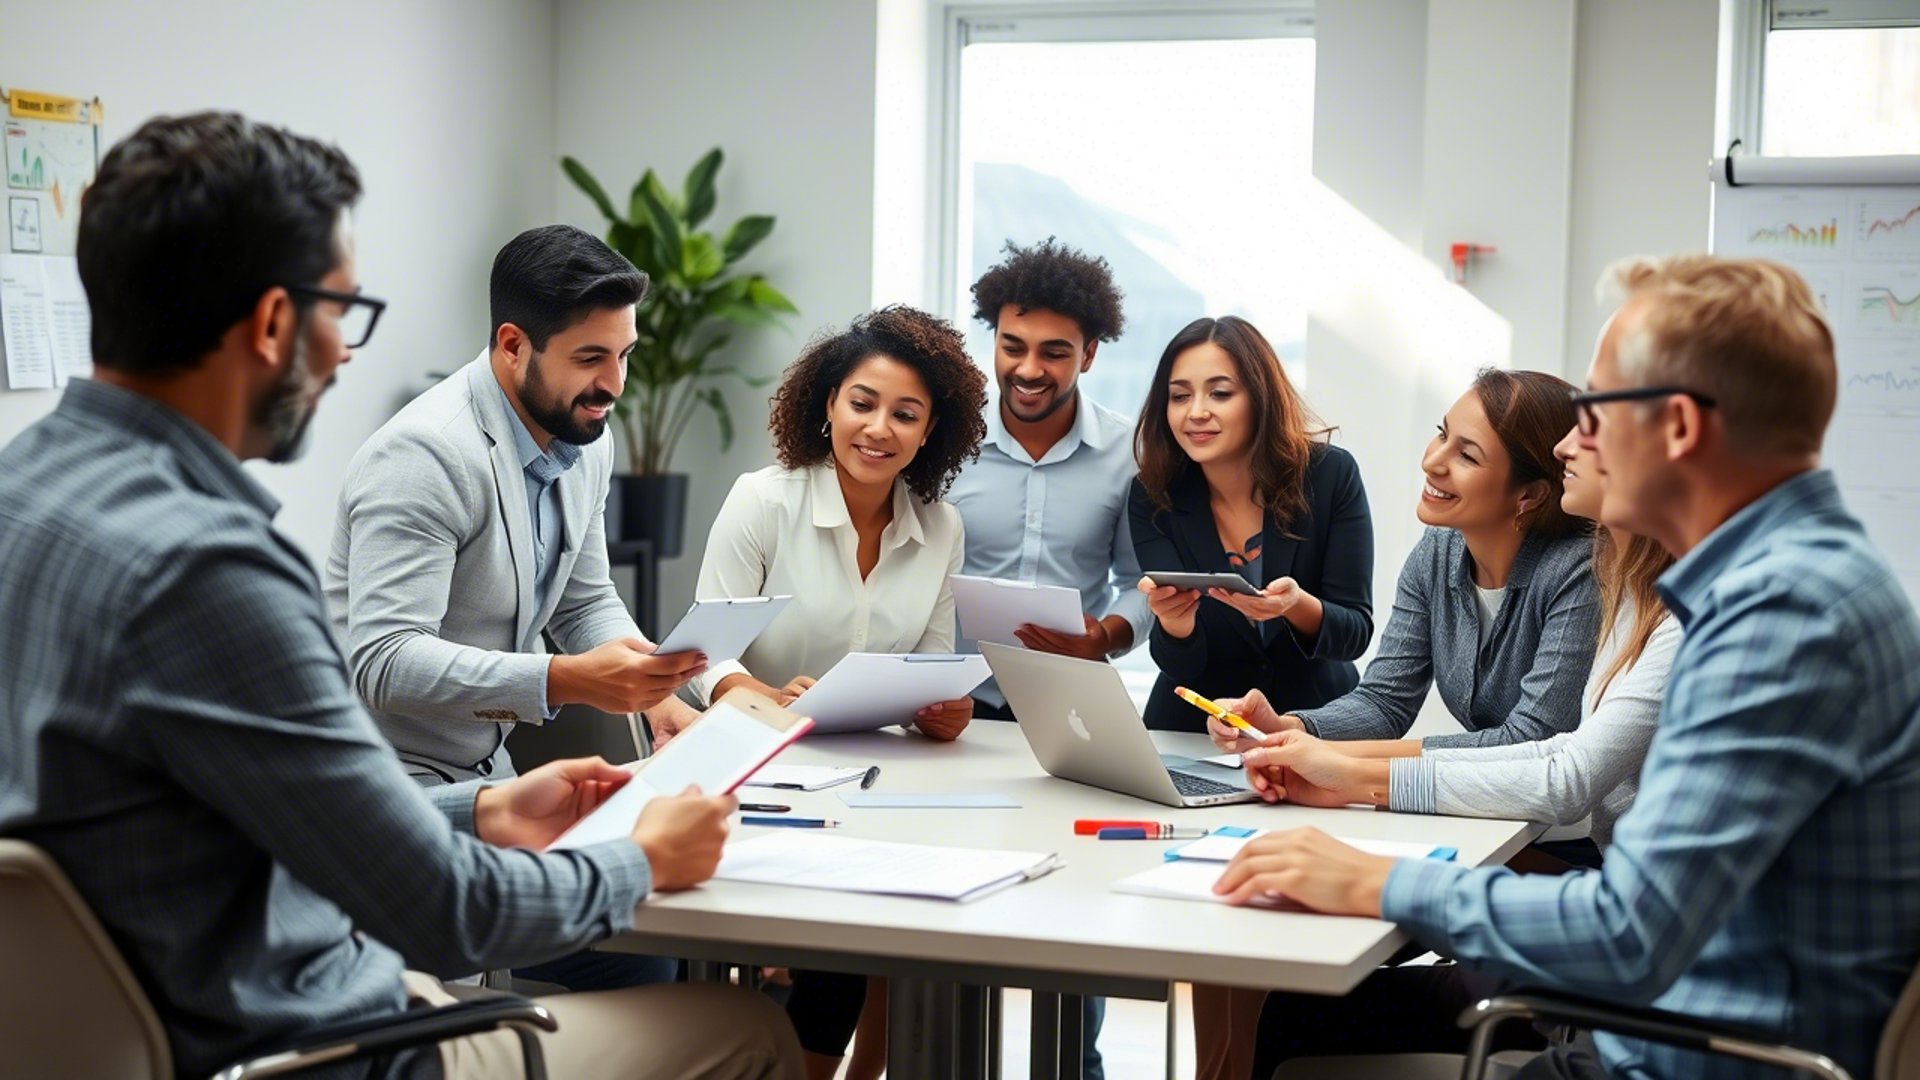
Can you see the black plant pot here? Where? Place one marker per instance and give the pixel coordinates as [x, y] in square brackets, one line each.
[650, 508]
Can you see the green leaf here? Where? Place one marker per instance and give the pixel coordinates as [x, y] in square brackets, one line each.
[699, 188]
[746, 234]
[765, 295]
[635, 242]
[700, 259]
[650, 195]
[584, 180]
[713, 397]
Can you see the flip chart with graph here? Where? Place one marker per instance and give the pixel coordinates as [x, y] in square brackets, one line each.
[1851, 227]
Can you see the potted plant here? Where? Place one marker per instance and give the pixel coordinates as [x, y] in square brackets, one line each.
[672, 374]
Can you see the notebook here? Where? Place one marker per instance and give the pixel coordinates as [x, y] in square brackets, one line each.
[1223, 843]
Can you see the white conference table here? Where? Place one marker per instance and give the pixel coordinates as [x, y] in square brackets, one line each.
[1063, 934]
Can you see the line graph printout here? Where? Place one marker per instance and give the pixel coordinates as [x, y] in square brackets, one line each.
[1858, 246]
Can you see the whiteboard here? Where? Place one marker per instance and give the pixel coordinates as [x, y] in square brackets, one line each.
[1851, 227]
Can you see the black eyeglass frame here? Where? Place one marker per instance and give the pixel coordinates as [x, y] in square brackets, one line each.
[315, 292]
[1588, 418]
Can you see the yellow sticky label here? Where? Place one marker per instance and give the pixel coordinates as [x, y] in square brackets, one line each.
[28, 105]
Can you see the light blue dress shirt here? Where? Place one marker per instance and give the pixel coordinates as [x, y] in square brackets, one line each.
[1769, 872]
[542, 471]
[1061, 520]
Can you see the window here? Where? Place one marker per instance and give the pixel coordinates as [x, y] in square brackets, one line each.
[1839, 78]
[1149, 139]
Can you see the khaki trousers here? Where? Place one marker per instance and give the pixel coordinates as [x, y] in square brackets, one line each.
[691, 1030]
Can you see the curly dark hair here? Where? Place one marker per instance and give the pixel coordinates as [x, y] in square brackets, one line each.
[1053, 276]
[928, 345]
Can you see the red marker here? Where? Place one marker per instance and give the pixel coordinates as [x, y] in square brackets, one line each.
[1092, 826]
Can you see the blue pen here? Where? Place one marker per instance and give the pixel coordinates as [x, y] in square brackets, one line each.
[791, 823]
[1160, 832]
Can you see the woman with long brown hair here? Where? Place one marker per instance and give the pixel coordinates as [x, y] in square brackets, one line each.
[1236, 475]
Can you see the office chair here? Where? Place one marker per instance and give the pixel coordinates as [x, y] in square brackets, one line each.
[70, 1007]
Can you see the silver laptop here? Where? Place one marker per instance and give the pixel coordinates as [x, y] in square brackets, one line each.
[1081, 723]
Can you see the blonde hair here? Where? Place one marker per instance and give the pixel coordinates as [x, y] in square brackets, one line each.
[1746, 332]
[1627, 572]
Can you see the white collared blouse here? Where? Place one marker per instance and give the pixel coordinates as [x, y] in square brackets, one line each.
[787, 532]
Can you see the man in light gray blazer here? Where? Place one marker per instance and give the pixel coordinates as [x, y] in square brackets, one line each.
[473, 521]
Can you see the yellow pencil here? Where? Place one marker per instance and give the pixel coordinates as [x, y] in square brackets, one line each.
[1211, 709]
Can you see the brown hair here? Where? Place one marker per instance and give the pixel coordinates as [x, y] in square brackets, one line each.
[1284, 429]
[928, 345]
[1627, 572]
[1532, 411]
[1746, 332]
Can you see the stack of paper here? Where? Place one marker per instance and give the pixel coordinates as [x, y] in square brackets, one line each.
[812, 861]
[1222, 844]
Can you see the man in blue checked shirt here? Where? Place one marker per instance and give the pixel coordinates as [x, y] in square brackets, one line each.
[1768, 874]
[179, 732]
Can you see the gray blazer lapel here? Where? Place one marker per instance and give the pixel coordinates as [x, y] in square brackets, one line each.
[510, 486]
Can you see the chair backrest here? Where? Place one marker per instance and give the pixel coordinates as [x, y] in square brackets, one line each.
[68, 1004]
[1899, 1057]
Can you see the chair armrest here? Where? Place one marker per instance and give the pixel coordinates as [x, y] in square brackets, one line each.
[1651, 1025]
[415, 1027]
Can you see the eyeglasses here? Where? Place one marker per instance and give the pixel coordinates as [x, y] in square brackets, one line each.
[359, 314]
[1584, 402]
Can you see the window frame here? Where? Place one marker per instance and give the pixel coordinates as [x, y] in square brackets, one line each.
[972, 22]
[1745, 25]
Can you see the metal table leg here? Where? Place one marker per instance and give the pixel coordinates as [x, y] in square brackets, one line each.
[1073, 1036]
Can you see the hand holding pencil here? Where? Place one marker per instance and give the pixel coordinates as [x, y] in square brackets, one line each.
[1240, 724]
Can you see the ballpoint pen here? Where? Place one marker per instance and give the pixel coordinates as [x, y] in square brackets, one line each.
[791, 822]
[1211, 709]
[765, 807]
[1150, 832]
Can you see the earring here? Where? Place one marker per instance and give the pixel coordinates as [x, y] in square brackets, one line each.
[1517, 527]
[826, 428]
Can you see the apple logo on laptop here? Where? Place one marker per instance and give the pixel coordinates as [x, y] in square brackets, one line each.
[1078, 726]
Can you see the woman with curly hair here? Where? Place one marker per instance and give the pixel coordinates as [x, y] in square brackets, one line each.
[870, 426]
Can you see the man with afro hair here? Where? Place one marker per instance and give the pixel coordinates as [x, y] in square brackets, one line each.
[1047, 500]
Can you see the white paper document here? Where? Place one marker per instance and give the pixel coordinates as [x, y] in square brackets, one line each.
[723, 628]
[720, 751]
[1186, 879]
[24, 319]
[871, 690]
[991, 609]
[69, 326]
[804, 777]
[812, 861]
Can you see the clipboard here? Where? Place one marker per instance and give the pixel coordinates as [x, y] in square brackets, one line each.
[723, 627]
[865, 691]
[729, 743]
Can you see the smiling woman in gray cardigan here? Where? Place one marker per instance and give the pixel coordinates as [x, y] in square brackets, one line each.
[1497, 605]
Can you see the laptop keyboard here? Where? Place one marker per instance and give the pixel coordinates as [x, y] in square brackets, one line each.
[1190, 785]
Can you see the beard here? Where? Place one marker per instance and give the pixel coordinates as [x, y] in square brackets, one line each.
[556, 416]
[1054, 404]
[286, 412]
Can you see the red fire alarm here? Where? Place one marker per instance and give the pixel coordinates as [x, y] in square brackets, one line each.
[1463, 254]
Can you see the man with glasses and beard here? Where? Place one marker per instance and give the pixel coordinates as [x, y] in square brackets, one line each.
[472, 522]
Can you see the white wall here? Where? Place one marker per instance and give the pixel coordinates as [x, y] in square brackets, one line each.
[445, 106]
[1643, 131]
[787, 90]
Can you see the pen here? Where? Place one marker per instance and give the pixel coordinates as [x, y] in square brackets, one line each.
[791, 822]
[1211, 709]
[872, 774]
[1155, 832]
[764, 807]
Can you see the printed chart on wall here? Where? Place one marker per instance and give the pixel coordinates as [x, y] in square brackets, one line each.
[1851, 227]
[52, 146]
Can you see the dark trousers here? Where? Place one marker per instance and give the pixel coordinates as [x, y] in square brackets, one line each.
[1396, 1010]
[590, 970]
